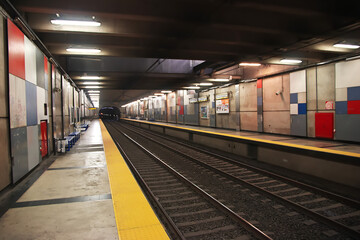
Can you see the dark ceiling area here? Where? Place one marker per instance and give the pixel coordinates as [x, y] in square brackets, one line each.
[140, 40]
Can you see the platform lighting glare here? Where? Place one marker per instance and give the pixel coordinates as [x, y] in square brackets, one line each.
[218, 79]
[205, 84]
[83, 50]
[158, 94]
[93, 91]
[250, 64]
[91, 86]
[166, 91]
[192, 87]
[94, 94]
[90, 77]
[75, 23]
[290, 61]
[348, 46]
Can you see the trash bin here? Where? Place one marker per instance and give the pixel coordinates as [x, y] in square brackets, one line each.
[61, 144]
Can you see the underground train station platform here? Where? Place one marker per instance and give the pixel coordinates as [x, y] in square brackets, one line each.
[86, 193]
[334, 161]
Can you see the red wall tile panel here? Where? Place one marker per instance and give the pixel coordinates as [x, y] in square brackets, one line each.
[324, 125]
[16, 51]
[46, 65]
[353, 107]
[259, 83]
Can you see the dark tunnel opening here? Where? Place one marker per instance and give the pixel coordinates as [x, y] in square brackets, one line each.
[109, 112]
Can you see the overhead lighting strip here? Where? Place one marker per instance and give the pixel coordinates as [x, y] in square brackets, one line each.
[75, 23]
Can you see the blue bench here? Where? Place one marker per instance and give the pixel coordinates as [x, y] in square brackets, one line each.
[76, 135]
[70, 142]
[84, 126]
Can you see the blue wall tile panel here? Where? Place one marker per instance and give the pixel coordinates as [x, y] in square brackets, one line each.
[353, 93]
[40, 70]
[259, 101]
[341, 107]
[298, 125]
[293, 98]
[31, 106]
[347, 127]
[302, 108]
[19, 149]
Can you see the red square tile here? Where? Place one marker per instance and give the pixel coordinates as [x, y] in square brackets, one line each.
[353, 107]
[16, 51]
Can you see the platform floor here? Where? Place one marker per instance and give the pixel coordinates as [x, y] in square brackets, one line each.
[316, 144]
[73, 198]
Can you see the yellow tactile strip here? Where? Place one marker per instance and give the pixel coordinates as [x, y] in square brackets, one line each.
[331, 151]
[134, 216]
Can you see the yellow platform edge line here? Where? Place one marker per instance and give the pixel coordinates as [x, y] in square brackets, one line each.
[135, 219]
[350, 154]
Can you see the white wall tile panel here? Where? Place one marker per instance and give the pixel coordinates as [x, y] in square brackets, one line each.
[294, 109]
[298, 82]
[41, 99]
[33, 146]
[17, 102]
[30, 61]
[347, 74]
[341, 94]
[302, 97]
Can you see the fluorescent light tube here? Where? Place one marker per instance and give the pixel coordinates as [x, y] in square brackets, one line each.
[75, 23]
[91, 83]
[192, 87]
[290, 61]
[219, 80]
[348, 46]
[93, 91]
[166, 91]
[90, 77]
[83, 50]
[206, 84]
[250, 64]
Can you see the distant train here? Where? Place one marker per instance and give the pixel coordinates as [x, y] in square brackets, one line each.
[112, 113]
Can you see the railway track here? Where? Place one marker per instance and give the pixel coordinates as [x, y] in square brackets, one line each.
[189, 212]
[339, 213]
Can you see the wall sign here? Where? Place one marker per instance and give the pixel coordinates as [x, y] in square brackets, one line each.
[222, 96]
[193, 100]
[329, 105]
[203, 99]
[222, 106]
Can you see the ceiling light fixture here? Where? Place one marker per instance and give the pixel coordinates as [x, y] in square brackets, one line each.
[91, 77]
[91, 86]
[348, 46]
[290, 61]
[75, 23]
[94, 94]
[192, 87]
[91, 83]
[158, 94]
[83, 50]
[218, 79]
[93, 91]
[166, 91]
[250, 64]
[206, 84]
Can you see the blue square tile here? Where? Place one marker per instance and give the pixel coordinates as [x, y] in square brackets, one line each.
[341, 107]
[259, 101]
[302, 108]
[293, 98]
[353, 93]
[31, 106]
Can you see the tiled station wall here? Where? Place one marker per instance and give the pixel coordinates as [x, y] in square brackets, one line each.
[319, 102]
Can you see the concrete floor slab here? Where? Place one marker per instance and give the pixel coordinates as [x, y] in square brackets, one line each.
[69, 183]
[80, 220]
[84, 159]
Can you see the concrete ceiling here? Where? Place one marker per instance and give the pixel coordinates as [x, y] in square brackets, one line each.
[141, 40]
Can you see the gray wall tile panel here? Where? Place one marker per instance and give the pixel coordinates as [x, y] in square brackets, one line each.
[40, 71]
[347, 127]
[33, 146]
[19, 152]
[5, 163]
[298, 125]
[31, 106]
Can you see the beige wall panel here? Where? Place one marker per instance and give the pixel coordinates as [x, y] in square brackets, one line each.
[226, 120]
[311, 123]
[3, 77]
[248, 97]
[311, 88]
[57, 130]
[325, 85]
[67, 125]
[248, 121]
[5, 164]
[277, 122]
[273, 102]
